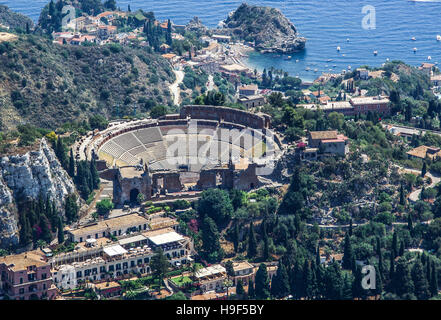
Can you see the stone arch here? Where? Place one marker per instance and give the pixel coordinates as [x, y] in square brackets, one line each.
[134, 195]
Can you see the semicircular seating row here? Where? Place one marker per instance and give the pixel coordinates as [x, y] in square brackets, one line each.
[151, 144]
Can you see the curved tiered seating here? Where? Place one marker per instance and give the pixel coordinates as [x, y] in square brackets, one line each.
[213, 142]
[113, 149]
[138, 150]
[129, 159]
[148, 135]
[127, 141]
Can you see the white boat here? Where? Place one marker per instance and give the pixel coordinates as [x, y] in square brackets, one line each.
[387, 59]
[349, 67]
[413, 39]
[429, 58]
[438, 37]
[338, 48]
[415, 49]
[315, 70]
[308, 68]
[375, 52]
[297, 60]
[347, 40]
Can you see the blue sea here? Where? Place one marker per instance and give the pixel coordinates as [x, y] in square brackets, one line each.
[326, 24]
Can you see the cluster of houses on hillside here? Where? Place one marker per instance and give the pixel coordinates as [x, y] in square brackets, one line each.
[101, 29]
[105, 251]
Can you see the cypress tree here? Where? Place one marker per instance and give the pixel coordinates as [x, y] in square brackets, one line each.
[348, 256]
[25, 230]
[378, 246]
[210, 238]
[239, 288]
[71, 208]
[333, 282]
[380, 265]
[169, 33]
[347, 287]
[410, 223]
[402, 196]
[401, 252]
[94, 174]
[60, 231]
[280, 284]
[357, 289]
[71, 169]
[392, 269]
[262, 283]
[296, 281]
[236, 236]
[252, 243]
[40, 206]
[60, 152]
[424, 169]
[395, 245]
[402, 281]
[45, 231]
[317, 256]
[251, 292]
[265, 253]
[433, 281]
[307, 278]
[421, 286]
[428, 270]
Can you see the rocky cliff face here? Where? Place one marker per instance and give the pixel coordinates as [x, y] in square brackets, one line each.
[26, 177]
[268, 27]
[8, 217]
[195, 25]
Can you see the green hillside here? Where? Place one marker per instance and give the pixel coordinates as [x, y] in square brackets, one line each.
[45, 84]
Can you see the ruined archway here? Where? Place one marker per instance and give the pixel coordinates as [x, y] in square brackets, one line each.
[134, 195]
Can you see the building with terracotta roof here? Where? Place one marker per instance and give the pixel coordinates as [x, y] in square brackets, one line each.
[170, 57]
[324, 99]
[427, 68]
[26, 276]
[248, 90]
[423, 152]
[252, 101]
[436, 80]
[379, 104]
[325, 143]
[106, 31]
[109, 289]
[243, 271]
[116, 226]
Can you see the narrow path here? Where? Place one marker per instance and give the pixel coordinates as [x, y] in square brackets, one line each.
[174, 88]
[415, 195]
[210, 83]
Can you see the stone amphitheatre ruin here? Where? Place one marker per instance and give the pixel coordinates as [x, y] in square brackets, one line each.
[179, 155]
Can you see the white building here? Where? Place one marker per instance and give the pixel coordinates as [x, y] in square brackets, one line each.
[65, 277]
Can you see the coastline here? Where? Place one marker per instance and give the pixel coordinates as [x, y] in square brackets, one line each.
[243, 51]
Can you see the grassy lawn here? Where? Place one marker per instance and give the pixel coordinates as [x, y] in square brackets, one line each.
[181, 281]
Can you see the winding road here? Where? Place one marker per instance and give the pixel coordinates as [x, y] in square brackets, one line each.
[175, 89]
[210, 83]
[415, 195]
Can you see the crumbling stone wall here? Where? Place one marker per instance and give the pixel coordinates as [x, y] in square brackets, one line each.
[226, 115]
